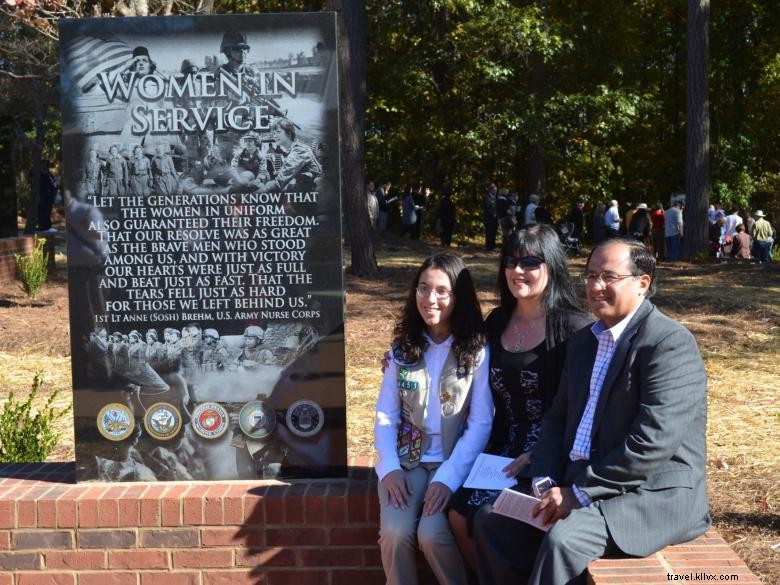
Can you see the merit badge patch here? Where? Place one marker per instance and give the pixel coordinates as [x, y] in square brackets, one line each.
[256, 419]
[115, 421]
[209, 420]
[305, 418]
[162, 421]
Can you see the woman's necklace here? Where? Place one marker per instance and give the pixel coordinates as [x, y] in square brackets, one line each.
[522, 330]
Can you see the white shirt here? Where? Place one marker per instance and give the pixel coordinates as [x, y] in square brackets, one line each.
[453, 471]
[732, 221]
[673, 221]
[612, 218]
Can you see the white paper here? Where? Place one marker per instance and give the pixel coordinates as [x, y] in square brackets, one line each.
[519, 506]
[486, 473]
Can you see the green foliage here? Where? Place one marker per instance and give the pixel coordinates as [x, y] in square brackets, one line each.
[32, 269]
[26, 436]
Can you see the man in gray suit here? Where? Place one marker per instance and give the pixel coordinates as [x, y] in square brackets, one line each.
[623, 442]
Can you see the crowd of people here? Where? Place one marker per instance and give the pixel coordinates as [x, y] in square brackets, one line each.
[609, 439]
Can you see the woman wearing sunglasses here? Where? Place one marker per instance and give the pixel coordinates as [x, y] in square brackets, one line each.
[435, 385]
[527, 336]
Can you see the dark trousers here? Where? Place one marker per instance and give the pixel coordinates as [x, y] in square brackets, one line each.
[491, 229]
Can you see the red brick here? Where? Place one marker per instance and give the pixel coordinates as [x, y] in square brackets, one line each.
[336, 505]
[202, 559]
[35, 539]
[137, 559]
[26, 514]
[357, 507]
[362, 576]
[373, 507]
[297, 577]
[47, 514]
[330, 557]
[67, 513]
[314, 509]
[239, 577]
[359, 535]
[274, 505]
[296, 536]
[233, 510]
[266, 557]
[192, 511]
[108, 578]
[76, 559]
[108, 512]
[5, 539]
[294, 503]
[372, 557]
[45, 578]
[212, 507]
[129, 512]
[170, 538]
[182, 578]
[254, 512]
[150, 512]
[7, 514]
[171, 505]
[6, 579]
[224, 536]
[26, 560]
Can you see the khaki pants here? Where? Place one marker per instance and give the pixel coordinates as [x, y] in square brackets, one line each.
[401, 531]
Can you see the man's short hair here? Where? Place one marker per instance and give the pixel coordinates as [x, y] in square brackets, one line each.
[286, 126]
[642, 260]
[533, 198]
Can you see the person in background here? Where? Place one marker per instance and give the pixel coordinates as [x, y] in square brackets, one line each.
[384, 199]
[612, 220]
[541, 213]
[433, 418]
[529, 215]
[673, 230]
[629, 215]
[599, 224]
[658, 232]
[490, 217]
[47, 190]
[740, 243]
[408, 211]
[372, 201]
[733, 219]
[577, 219]
[762, 238]
[504, 213]
[639, 226]
[445, 217]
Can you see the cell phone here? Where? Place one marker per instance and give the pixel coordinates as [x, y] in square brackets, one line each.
[542, 485]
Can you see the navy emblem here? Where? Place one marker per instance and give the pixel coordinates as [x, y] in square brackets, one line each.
[256, 419]
[162, 421]
[209, 420]
[115, 421]
[305, 418]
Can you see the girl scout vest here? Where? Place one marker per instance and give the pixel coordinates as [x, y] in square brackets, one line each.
[454, 397]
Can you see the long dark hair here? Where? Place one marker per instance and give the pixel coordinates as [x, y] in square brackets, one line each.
[559, 300]
[467, 325]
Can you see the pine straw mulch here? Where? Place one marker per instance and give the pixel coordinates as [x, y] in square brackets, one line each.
[732, 309]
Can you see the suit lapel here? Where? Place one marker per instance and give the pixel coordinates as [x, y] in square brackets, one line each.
[624, 344]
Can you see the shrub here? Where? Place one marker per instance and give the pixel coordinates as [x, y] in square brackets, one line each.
[28, 437]
[32, 269]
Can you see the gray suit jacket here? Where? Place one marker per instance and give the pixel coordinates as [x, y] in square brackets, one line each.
[647, 462]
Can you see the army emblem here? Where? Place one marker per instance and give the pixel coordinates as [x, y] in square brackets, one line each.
[115, 421]
[162, 421]
[305, 418]
[210, 420]
[256, 419]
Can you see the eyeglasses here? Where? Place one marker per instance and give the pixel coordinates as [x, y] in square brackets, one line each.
[525, 262]
[607, 278]
[442, 294]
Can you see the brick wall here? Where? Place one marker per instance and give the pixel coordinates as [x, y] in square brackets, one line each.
[217, 533]
[20, 245]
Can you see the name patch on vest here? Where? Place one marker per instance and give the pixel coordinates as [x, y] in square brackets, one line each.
[403, 380]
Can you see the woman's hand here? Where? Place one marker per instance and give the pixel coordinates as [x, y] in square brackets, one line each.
[436, 498]
[398, 489]
[514, 468]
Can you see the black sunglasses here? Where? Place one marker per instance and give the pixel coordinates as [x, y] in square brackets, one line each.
[525, 262]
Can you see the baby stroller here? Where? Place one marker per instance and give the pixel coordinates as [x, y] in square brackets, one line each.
[571, 244]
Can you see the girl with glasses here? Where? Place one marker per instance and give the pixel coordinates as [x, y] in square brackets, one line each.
[435, 386]
[527, 335]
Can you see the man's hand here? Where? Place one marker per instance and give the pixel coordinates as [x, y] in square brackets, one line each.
[514, 468]
[556, 503]
[398, 489]
[436, 498]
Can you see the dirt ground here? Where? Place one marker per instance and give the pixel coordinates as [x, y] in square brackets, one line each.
[732, 309]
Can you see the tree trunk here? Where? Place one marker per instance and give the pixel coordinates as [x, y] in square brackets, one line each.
[352, 67]
[536, 156]
[697, 181]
